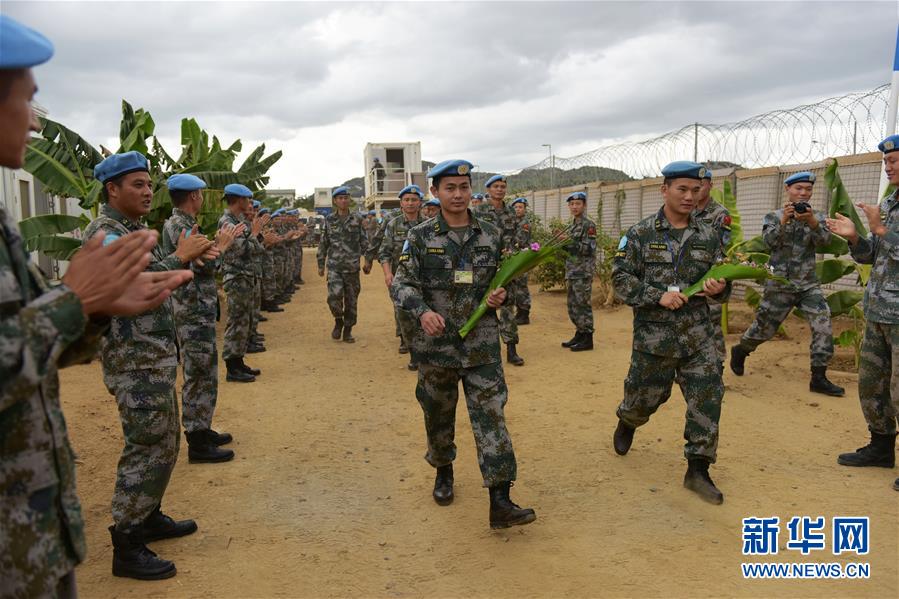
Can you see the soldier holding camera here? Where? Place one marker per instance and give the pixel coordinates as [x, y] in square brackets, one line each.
[793, 234]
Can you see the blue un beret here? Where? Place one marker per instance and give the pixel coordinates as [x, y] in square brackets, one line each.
[890, 144]
[185, 182]
[450, 168]
[477, 196]
[278, 212]
[520, 201]
[800, 177]
[343, 190]
[708, 174]
[494, 179]
[684, 169]
[293, 212]
[578, 195]
[411, 189]
[20, 46]
[236, 189]
[256, 203]
[120, 164]
[263, 211]
[432, 202]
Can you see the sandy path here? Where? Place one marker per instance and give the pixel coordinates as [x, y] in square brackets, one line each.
[329, 494]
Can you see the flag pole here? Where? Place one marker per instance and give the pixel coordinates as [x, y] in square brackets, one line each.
[892, 106]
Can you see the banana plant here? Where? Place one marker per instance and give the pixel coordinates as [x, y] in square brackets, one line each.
[726, 197]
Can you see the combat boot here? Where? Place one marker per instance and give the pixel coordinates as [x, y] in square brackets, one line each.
[504, 513]
[348, 335]
[820, 384]
[262, 318]
[132, 559]
[512, 356]
[338, 327]
[573, 340]
[523, 316]
[236, 373]
[403, 348]
[412, 365]
[271, 307]
[896, 485]
[158, 526]
[623, 437]
[220, 438]
[698, 480]
[738, 359]
[201, 448]
[255, 348]
[881, 451]
[443, 485]
[300, 281]
[243, 365]
[585, 344]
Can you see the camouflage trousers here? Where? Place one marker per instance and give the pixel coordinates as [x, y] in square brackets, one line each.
[280, 271]
[508, 328]
[648, 386]
[257, 305]
[580, 304]
[241, 313]
[878, 377]
[343, 295]
[299, 263]
[774, 309]
[199, 362]
[523, 298]
[485, 395]
[715, 311]
[148, 409]
[269, 289]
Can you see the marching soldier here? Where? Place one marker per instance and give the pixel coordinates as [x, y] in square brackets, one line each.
[43, 329]
[523, 236]
[657, 259]
[579, 268]
[391, 246]
[793, 233]
[714, 214]
[878, 373]
[343, 243]
[502, 217]
[194, 308]
[238, 273]
[444, 270]
[139, 367]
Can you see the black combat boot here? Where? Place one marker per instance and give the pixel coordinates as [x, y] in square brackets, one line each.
[201, 448]
[220, 438]
[132, 559]
[338, 327]
[271, 307]
[348, 335]
[300, 281]
[698, 480]
[404, 349]
[237, 374]
[623, 437]
[896, 485]
[443, 485]
[881, 451]
[504, 513]
[512, 356]
[412, 365]
[523, 316]
[262, 317]
[158, 526]
[585, 344]
[243, 365]
[255, 348]
[820, 384]
[573, 340]
[738, 359]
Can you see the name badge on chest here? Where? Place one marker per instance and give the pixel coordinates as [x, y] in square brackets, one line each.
[463, 277]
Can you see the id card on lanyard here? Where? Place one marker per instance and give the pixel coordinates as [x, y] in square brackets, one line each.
[676, 257]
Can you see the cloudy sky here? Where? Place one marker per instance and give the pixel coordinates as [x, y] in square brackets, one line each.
[486, 81]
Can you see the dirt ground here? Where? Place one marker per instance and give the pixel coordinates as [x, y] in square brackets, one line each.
[329, 495]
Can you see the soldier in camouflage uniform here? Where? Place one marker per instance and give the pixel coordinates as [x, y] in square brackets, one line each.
[194, 308]
[42, 329]
[714, 214]
[444, 271]
[269, 285]
[139, 367]
[523, 238]
[430, 208]
[502, 217]
[579, 268]
[285, 289]
[793, 234]
[391, 246]
[256, 343]
[657, 259]
[878, 370]
[238, 273]
[343, 243]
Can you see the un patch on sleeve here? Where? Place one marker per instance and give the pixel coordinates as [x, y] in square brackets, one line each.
[623, 243]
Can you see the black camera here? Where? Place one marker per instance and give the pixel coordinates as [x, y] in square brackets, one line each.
[802, 207]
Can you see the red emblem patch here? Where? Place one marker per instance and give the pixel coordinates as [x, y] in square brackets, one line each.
[726, 220]
[591, 231]
[526, 227]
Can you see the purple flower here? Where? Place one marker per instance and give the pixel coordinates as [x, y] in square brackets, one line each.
[535, 246]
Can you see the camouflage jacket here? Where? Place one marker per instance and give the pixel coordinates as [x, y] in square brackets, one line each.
[581, 261]
[146, 340]
[882, 291]
[717, 216]
[42, 329]
[523, 232]
[197, 299]
[793, 250]
[257, 251]
[504, 220]
[343, 242]
[394, 237]
[237, 260]
[425, 281]
[376, 237]
[649, 260]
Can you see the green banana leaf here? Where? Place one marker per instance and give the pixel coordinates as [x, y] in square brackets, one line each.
[732, 272]
[840, 202]
[54, 246]
[135, 128]
[841, 302]
[752, 298]
[832, 269]
[754, 245]
[837, 246]
[864, 273]
[50, 224]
